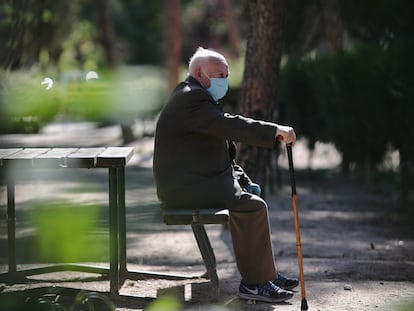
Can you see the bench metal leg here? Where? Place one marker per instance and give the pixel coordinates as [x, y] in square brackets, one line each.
[11, 225]
[122, 222]
[113, 233]
[208, 255]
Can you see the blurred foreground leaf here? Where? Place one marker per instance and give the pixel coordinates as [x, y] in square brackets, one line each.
[66, 232]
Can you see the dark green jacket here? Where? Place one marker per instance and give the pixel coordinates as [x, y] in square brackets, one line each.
[192, 166]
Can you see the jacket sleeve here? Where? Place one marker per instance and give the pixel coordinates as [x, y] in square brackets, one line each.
[205, 116]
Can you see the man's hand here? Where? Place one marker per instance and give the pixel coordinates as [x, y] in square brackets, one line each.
[286, 134]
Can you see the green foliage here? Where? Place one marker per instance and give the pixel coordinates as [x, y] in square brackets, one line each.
[138, 91]
[361, 106]
[22, 97]
[87, 100]
[165, 303]
[305, 96]
[401, 83]
[342, 99]
[406, 306]
[64, 232]
[121, 96]
[379, 22]
[138, 23]
[30, 28]
[390, 26]
[80, 49]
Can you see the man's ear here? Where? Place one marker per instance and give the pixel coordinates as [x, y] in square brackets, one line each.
[198, 73]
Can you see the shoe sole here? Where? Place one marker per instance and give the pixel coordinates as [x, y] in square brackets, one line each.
[287, 287]
[262, 298]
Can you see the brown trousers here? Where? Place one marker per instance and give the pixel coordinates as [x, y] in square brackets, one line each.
[250, 232]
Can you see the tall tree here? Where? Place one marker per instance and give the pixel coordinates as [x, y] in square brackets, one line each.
[173, 40]
[107, 34]
[261, 77]
[138, 28]
[29, 28]
[332, 25]
[232, 26]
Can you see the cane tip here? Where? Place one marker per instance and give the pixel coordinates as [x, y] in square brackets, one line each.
[304, 305]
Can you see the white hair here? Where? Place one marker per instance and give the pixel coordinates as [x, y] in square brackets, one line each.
[201, 57]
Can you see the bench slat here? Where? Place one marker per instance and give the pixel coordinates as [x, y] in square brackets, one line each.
[24, 157]
[84, 157]
[7, 152]
[55, 157]
[27, 153]
[115, 157]
[188, 216]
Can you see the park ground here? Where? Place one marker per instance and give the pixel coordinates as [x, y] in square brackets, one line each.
[358, 253]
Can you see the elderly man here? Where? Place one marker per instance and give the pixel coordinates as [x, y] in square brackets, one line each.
[193, 168]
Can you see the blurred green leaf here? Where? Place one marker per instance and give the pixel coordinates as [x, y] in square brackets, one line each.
[165, 303]
[65, 232]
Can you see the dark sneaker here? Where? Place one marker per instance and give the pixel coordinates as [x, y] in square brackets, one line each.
[285, 283]
[267, 293]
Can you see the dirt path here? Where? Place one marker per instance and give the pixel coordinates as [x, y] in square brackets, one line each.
[355, 257]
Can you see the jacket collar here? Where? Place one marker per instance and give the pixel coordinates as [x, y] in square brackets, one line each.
[192, 80]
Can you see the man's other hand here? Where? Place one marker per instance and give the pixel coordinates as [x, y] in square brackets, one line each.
[286, 134]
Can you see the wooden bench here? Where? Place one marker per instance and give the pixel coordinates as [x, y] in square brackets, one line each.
[197, 219]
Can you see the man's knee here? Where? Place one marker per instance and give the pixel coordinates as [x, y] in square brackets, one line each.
[249, 202]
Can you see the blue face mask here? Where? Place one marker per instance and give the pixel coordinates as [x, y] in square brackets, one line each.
[218, 87]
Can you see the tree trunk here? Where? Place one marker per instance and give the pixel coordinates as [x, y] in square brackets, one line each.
[333, 25]
[173, 40]
[232, 27]
[107, 34]
[261, 78]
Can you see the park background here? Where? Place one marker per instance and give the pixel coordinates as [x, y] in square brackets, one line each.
[340, 72]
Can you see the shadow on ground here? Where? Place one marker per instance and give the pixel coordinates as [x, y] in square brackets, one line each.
[347, 238]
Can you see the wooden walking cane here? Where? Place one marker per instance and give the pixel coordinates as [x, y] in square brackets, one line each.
[304, 303]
